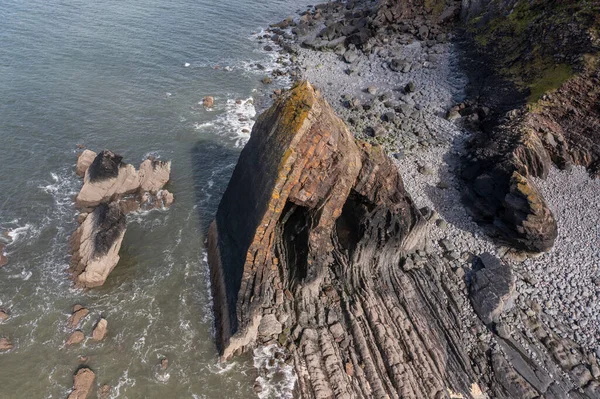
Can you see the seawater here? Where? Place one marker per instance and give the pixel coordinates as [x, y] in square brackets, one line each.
[127, 76]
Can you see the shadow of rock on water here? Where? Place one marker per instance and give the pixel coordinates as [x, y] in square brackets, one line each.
[212, 165]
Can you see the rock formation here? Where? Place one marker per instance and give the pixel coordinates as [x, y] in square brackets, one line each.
[83, 382]
[100, 330]
[492, 288]
[75, 338]
[319, 259]
[111, 189]
[78, 313]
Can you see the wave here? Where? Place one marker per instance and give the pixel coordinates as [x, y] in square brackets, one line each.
[276, 378]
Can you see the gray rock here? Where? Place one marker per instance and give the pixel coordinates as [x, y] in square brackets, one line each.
[269, 326]
[492, 288]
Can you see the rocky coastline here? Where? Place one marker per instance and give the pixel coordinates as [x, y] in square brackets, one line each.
[475, 170]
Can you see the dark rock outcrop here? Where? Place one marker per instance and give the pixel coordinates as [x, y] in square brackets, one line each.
[497, 172]
[492, 288]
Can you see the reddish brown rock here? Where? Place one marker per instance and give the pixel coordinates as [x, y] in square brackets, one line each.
[3, 315]
[76, 338]
[78, 314]
[84, 160]
[83, 383]
[208, 101]
[5, 344]
[100, 330]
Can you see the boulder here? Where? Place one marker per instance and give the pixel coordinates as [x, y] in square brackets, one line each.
[3, 315]
[269, 326]
[83, 382]
[84, 160]
[100, 330]
[166, 198]
[79, 312]
[95, 245]
[5, 344]
[75, 338]
[492, 288]
[208, 101]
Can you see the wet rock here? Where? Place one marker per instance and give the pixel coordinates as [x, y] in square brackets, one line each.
[104, 391]
[83, 382]
[79, 312]
[100, 330]
[492, 288]
[84, 160]
[208, 101]
[166, 198]
[267, 80]
[75, 338]
[5, 344]
[164, 363]
[3, 315]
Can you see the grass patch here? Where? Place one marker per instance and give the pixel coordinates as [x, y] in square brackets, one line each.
[549, 79]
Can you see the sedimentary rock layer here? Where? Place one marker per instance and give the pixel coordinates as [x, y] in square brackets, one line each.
[309, 250]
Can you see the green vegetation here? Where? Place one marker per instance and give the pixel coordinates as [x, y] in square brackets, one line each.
[524, 36]
[436, 7]
[550, 79]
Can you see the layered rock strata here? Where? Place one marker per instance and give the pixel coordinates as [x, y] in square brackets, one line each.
[316, 259]
[111, 189]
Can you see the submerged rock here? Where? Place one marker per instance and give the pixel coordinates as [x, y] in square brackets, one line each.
[83, 382]
[5, 344]
[3, 258]
[3, 315]
[208, 101]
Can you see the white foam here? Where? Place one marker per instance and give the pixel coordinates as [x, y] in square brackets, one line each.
[19, 232]
[124, 381]
[238, 120]
[187, 64]
[200, 126]
[276, 378]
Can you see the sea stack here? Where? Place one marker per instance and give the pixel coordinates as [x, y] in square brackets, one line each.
[111, 189]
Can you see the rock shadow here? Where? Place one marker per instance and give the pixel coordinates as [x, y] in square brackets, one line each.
[212, 166]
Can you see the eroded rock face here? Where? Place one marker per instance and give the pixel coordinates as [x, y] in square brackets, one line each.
[498, 186]
[83, 382]
[84, 160]
[96, 244]
[314, 254]
[315, 259]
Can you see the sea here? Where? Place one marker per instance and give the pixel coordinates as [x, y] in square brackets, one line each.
[128, 76]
